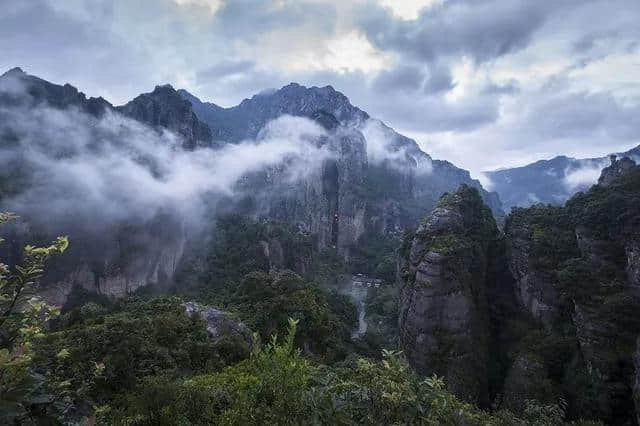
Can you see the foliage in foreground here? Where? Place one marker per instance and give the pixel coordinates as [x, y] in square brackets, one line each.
[279, 386]
[136, 339]
[22, 319]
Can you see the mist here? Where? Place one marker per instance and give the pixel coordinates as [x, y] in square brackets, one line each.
[382, 147]
[581, 178]
[113, 169]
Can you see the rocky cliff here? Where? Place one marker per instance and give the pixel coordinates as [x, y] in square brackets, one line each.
[575, 271]
[374, 182]
[165, 108]
[570, 328]
[113, 257]
[326, 201]
[444, 316]
[616, 169]
[380, 181]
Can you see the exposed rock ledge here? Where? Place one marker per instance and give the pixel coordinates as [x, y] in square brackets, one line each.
[220, 325]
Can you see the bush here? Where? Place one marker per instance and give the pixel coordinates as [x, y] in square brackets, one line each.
[137, 339]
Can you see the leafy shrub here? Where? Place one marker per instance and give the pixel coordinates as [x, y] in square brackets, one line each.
[278, 386]
[137, 339]
[266, 301]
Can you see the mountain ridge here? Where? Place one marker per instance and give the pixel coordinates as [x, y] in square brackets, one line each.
[375, 182]
[551, 181]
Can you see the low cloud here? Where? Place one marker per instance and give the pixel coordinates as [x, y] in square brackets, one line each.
[383, 146]
[579, 179]
[485, 181]
[75, 168]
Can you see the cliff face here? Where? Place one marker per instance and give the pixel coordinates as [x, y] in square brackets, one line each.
[538, 239]
[114, 260]
[324, 202]
[444, 317]
[576, 273]
[108, 257]
[379, 182]
[569, 327]
[164, 108]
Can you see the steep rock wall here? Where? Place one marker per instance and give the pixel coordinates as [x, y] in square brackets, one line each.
[444, 317]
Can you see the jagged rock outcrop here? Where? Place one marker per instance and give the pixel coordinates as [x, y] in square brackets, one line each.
[616, 169]
[165, 108]
[17, 88]
[579, 263]
[573, 328]
[383, 184]
[220, 325]
[444, 316]
[534, 287]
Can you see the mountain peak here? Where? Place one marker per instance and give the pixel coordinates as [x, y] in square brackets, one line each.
[168, 108]
[164, 88]
[616, 169]
[16, 71]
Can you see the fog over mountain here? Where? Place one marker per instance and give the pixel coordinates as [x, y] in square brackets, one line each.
[499, 83]
[548, 181]
[320, 212]
[302, 155]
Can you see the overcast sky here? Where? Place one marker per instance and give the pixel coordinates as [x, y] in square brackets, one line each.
[482, 83]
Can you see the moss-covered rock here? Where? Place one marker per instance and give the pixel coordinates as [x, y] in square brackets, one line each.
[575, 269]
[444, 318]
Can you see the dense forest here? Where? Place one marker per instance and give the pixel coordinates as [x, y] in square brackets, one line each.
[233, 342]
[158, 268]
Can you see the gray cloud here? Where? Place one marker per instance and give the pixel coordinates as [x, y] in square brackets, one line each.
[482, 29]
[536, 78]
[113, 169]
[583, 115]
[403, 78]
[225, 69]
[412, 78]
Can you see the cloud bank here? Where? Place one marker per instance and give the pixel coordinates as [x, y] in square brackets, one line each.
[484, 84]
[79, 169]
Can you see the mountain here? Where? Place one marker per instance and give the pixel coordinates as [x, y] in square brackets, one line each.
[365, 183]
[549, 181]
[165, 108]
[19, 88]
[245, 120]
[445, 273]
[213, 204]
[553, 300]
[395, 161]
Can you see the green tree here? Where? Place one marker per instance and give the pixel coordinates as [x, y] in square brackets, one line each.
[22, 319]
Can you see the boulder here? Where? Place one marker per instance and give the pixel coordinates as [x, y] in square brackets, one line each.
[220, 325]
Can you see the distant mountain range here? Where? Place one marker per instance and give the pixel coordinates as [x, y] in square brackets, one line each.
[373, 182]
[549, 181]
